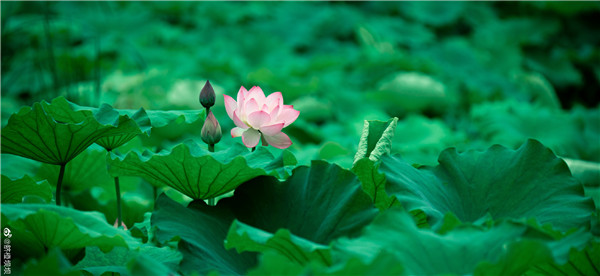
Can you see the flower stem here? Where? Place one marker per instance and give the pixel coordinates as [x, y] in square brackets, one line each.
[211, 148]
[118, 191]
[253, 149]
[61, 174]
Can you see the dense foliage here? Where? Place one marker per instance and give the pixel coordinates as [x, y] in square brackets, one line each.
[433, 138]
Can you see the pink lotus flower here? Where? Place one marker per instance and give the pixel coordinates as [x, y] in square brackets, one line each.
[257, 116]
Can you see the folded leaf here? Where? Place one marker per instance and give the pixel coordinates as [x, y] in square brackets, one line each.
[376, 139]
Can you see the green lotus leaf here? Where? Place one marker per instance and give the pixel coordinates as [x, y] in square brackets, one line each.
[198, 173]
[53, 263]
[130, 124]
[120, 259]
[328, 203]
[530, 182]
[15, 166]
[13, 191]
[373, 183]
[430, 13]
[201, 231]
[423, 252]
[65, 228]
[84, 172]
[173, 125]
[376, 139]
[54, 133]
[274, 263]
[88, 186]
[403, 92]
[580, 262]
[247, 238]
[510, 123]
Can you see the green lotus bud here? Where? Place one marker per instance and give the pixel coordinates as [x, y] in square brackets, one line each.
[211, 131]
[207, 95]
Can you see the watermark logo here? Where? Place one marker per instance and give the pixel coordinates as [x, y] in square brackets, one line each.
[6, 256]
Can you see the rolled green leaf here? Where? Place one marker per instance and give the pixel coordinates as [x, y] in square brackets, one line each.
[376, 139]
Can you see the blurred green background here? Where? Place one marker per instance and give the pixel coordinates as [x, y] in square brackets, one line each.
[457, 74]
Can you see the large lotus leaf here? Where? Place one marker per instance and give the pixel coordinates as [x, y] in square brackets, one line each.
[319, 203]
[120, 259]
[54, 133]
[55, 226]
[581, 262]
[14, 191]
[529, 182]
[247, 238]
[328, 203]
[15, 166]
[510, 123]
[173, 125]
[84, 172]
[423, 252]
[536, 251]
[88, 186]
[53, 263]
[129, 124]
[196, 172]
[420, 139]
[273, 263]
[406, 92]
[202, 231]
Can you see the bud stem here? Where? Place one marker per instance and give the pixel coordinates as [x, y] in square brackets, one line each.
[211, 147]
[253, 149]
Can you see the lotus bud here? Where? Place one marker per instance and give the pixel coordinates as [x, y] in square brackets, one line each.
[207, 95]
[211, 131]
